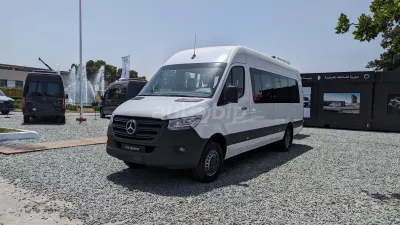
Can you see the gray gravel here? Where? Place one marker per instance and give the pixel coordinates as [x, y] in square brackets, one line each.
[50, 131]
[329, 177]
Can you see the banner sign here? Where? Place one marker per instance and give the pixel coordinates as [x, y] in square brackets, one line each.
[126, 62]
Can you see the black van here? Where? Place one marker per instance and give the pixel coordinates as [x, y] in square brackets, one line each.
[119, 92]
[44, 96]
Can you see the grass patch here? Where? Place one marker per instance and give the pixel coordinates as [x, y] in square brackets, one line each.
[86, 109]
[6, 130]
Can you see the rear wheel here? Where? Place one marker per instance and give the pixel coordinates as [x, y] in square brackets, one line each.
[62, 119]
[133, 165]
[5, 112]
[102, 115]
[210, 163]
[26, 119]
[285, 144]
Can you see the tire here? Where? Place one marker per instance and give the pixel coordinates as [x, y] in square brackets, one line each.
[210, 163]
[26, 119]
[62, 120]
[133, 165]
[102, 115]
[5, 112]
[285, 144]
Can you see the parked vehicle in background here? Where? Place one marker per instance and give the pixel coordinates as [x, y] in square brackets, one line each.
[44, 97]
[202, 108]
[119, 92]
[6, 104]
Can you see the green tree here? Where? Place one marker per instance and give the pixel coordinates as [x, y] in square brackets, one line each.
[132, 73]
[143, 77]
[92, 67]
[110, 73]
[384, 20]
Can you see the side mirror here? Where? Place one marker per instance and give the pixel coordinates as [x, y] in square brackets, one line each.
[66, 96]
[231, 95]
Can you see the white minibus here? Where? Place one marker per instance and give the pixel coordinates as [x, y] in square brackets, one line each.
[205, 105]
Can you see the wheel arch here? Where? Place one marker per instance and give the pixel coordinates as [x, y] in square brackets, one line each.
[220, 139]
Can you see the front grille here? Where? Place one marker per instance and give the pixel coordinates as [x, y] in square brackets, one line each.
[147, 128]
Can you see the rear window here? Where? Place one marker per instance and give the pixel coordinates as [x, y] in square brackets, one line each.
[48, 89]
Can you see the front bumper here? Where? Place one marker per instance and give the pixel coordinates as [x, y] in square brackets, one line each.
[161, 151]
[6, 106]
[55, 113]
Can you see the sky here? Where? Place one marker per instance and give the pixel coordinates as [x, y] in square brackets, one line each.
[151, 31]
[341, 97]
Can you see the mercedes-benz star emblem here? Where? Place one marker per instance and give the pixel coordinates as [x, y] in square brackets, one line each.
[130, 126]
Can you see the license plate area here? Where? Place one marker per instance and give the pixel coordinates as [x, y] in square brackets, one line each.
[133, 148]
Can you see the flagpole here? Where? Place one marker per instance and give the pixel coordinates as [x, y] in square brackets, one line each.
[80, 64]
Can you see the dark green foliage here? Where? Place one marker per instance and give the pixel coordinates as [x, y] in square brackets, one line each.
[383, 20]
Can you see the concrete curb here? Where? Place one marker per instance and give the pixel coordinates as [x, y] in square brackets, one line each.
[24, 134]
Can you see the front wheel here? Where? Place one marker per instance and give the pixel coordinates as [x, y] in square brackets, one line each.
[210, 163]
[26, 119]
[5, 112]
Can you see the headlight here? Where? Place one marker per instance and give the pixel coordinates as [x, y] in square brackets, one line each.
[184, 123]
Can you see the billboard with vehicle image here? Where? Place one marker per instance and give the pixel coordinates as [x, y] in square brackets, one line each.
[346, 103]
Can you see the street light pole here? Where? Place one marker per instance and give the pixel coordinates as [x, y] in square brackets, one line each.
[80, 63]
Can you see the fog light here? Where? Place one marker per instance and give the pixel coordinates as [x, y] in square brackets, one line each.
[181, 149]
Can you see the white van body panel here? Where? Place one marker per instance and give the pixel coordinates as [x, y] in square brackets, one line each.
[155, 107]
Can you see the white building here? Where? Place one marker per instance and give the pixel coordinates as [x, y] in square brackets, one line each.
[14, 76]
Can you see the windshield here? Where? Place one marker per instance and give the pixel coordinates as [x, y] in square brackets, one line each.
[2, 94]
[185, 80]
[44, 89]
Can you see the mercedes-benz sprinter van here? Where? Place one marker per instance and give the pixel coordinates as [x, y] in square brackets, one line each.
[199, 109]
[44, 96]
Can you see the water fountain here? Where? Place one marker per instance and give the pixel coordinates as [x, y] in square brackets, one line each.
[98, 82]
[89, 89]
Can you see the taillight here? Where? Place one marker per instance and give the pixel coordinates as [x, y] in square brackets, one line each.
[63, 105]
[23, 102]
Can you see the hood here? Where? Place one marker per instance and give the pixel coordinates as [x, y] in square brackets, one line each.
[5, 98]
[162, 107]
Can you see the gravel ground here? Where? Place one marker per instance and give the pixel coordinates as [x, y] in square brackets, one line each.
[328, 177]
[49, 131]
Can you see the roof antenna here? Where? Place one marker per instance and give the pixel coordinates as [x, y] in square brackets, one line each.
[194, 48]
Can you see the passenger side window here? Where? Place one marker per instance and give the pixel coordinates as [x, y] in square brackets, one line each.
[236, 78]
[286, 90]
[272, 88]
[262, 86]
[267, 88]
[110, 93]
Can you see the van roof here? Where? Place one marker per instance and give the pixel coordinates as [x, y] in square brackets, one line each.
[222, 54]
[43, 77]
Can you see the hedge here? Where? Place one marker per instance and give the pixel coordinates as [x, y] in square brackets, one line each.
[14, 92]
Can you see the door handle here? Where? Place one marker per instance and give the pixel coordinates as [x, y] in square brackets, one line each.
[244, 108]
